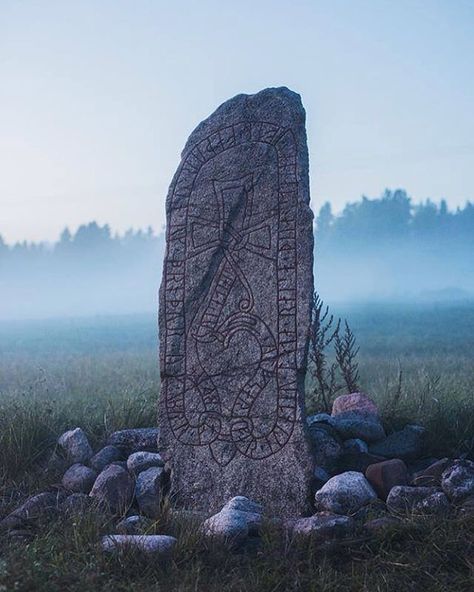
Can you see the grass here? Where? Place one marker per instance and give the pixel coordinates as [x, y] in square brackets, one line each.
[102, 374]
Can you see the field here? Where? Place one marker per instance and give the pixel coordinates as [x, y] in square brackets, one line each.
[101, 374]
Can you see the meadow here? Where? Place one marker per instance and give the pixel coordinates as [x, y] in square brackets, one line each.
[101, 373]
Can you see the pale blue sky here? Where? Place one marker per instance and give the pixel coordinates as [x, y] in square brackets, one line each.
[97, 98]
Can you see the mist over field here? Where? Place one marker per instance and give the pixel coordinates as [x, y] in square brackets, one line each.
[384, 249]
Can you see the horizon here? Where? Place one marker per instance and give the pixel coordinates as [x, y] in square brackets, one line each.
[100, 99]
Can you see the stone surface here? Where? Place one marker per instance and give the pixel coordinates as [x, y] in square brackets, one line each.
[35, 507]
[405, 444]
[431, 475]
[458, 480]
[79, 478]
[344, 494]
[358, 425]
[134, 525]
[104, 457]
[141, 461]
[231, 525]
[354, 403]
[323, 526]
[148, 544]
[385, 475]
[235, 305]
[354, 446]
[148, 491]
[76, 504]
[417, 500]
[134, 440]
[75, 446]
[326, 445]
[320, 477]
[357, 461]
[243, 504]
[113, 489]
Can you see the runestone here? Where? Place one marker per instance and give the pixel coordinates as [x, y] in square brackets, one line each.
[235, 305]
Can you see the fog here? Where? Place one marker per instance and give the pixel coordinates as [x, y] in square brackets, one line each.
[382, 249]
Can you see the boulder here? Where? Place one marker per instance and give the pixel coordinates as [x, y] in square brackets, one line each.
[243, 504]
[326, 445]
[431, 475]
[42, 505]
[354, 446]
[354, 403]
[233, 526]
[323, 526]
[75, 446]
[148, 544]
[383, 476]
[324, 418]
[320, 477]
[355, 425]
[134, 440]
[105, 457]
[79, 478]
[345, 494]
[457, 481]
[113, 489]
[357, 461]
[148, 491]
[141, 461]
[417, 500]
[75, 504]
[405, 444]
[134, 525]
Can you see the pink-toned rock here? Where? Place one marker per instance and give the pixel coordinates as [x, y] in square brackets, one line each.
[385, 475]
[354, 403]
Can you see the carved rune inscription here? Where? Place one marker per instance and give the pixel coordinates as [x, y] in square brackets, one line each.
[229, 361]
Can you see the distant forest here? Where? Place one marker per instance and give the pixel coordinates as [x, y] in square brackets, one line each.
[381, 248]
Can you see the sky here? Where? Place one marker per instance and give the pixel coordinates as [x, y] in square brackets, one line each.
[97, 98]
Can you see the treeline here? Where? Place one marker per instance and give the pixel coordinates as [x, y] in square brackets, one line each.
[394, 219]
[380, 248]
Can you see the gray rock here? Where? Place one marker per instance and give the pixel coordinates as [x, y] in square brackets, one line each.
[79, 478]
[354, 446]
[141, 461]
[344, 494]
[105, 457]
[326, 446]
[418, 500]
[357, 461]
[113, 489]
[238, 274]
[405, 444]
[134, 525]
[76, 504]
[357, 425]
[320, 477]
[148, 544]
[134, 440]
[75, 446]
[42, 505]
[243, 504]
[324, 418]
[458, 480]
[324, 525]
[148, 491]
[231, 525]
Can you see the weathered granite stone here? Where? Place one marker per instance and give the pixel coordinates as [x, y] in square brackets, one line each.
[42, 505]
[235, 305]
[135, 439]
[458, 480]
[148, 491]
[113, 489]
[134, 525]
[344, 494]
[148, 544]
[385, 475]
[79, 478]
[141, 461]
[405, 444]
[106, 456]
[75, 446]
[324, 525]
[418, 500]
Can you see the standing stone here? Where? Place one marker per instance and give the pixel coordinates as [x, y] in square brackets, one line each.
[235, 305]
